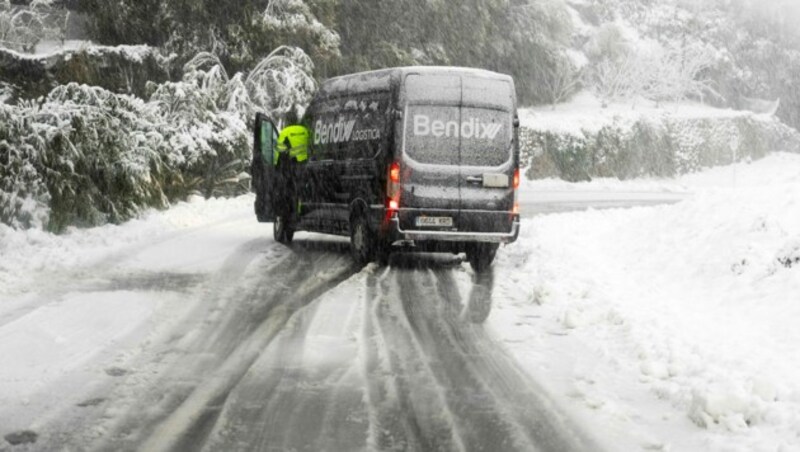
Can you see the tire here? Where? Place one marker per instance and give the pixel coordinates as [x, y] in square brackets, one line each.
[260, 209]
[282, 231]
[481, 255]
[362, 240]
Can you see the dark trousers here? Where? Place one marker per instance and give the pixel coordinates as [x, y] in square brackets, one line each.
[286, 189]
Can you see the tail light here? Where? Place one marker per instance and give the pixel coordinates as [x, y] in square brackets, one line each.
[515, 209]
[393, 189]
[394, 173]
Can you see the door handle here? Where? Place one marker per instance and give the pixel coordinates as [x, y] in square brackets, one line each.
[474, 179]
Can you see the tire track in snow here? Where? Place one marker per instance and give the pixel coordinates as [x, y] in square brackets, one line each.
[166, 369]
[404, 397]
[479, 364]
[305, 391]
[188, 426]
[255, 367]
[193, 365]
[482, 422]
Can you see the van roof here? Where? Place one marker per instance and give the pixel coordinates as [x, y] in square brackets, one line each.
[386, 79]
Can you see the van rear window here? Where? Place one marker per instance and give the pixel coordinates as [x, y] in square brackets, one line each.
[428, 139]
[442, 89]
[449, 135]
[491, 143]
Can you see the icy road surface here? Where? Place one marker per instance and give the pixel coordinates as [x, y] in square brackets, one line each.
[215, 337]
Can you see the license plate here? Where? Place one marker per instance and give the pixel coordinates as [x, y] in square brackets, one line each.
[435, 222]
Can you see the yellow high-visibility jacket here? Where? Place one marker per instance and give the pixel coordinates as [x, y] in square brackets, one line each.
[293, 141]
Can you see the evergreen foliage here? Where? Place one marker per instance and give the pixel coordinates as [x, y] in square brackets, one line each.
[522, 37]
[85, 156]
[241, 34]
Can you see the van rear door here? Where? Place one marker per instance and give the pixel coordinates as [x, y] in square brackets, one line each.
[458, 154]
[431, 195]
[487, 161]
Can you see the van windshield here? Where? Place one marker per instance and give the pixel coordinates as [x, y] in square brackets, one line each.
[437, 134]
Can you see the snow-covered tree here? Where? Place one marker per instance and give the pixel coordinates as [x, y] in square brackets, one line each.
[560, 79]
[23, 27]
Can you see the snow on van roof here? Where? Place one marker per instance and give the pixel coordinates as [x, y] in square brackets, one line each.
[384, 79]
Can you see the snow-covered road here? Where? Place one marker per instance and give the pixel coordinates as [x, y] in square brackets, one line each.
[192, 329]
[215, 337]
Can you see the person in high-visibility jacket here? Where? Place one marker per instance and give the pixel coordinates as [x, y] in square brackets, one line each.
[290, 152]
[292, 143]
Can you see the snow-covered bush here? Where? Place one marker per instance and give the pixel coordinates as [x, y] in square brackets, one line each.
[293, 18]
[96, 158]
[24, 198]
[626, 67]
[664, 146]
[121, 69]
[736, 49]
[84, 156]
[5, 92]
[22, 27]
[207, 142]
[281, 82]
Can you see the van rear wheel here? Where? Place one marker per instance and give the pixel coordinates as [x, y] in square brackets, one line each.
[481, 255]
[362, 241]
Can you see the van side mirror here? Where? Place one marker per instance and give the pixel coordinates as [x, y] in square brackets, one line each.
[266, 137]
[516, 122]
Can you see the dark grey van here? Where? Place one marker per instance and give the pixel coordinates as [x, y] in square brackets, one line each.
[416, 158]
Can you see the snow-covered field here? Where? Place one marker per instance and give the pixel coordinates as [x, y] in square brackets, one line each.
[668, 327]
[671, 327]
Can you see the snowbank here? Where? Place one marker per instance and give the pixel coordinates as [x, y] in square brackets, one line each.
[670, 327]
[29, 253]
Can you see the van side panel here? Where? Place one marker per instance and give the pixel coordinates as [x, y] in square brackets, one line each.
[451, 131]
[351, 136]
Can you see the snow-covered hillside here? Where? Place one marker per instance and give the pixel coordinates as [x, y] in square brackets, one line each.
[670, 327]
[583, 138]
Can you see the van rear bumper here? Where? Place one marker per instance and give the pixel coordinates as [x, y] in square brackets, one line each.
[456, 236]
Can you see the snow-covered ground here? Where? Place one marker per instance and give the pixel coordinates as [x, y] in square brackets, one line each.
[669, 327]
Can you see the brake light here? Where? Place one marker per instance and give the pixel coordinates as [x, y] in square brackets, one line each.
[515, 208]
[393, 189]
[394, 173]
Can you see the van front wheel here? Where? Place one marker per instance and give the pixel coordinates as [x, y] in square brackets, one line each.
[481, 255]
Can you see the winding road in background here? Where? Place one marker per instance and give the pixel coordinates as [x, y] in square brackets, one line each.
[291, 349]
